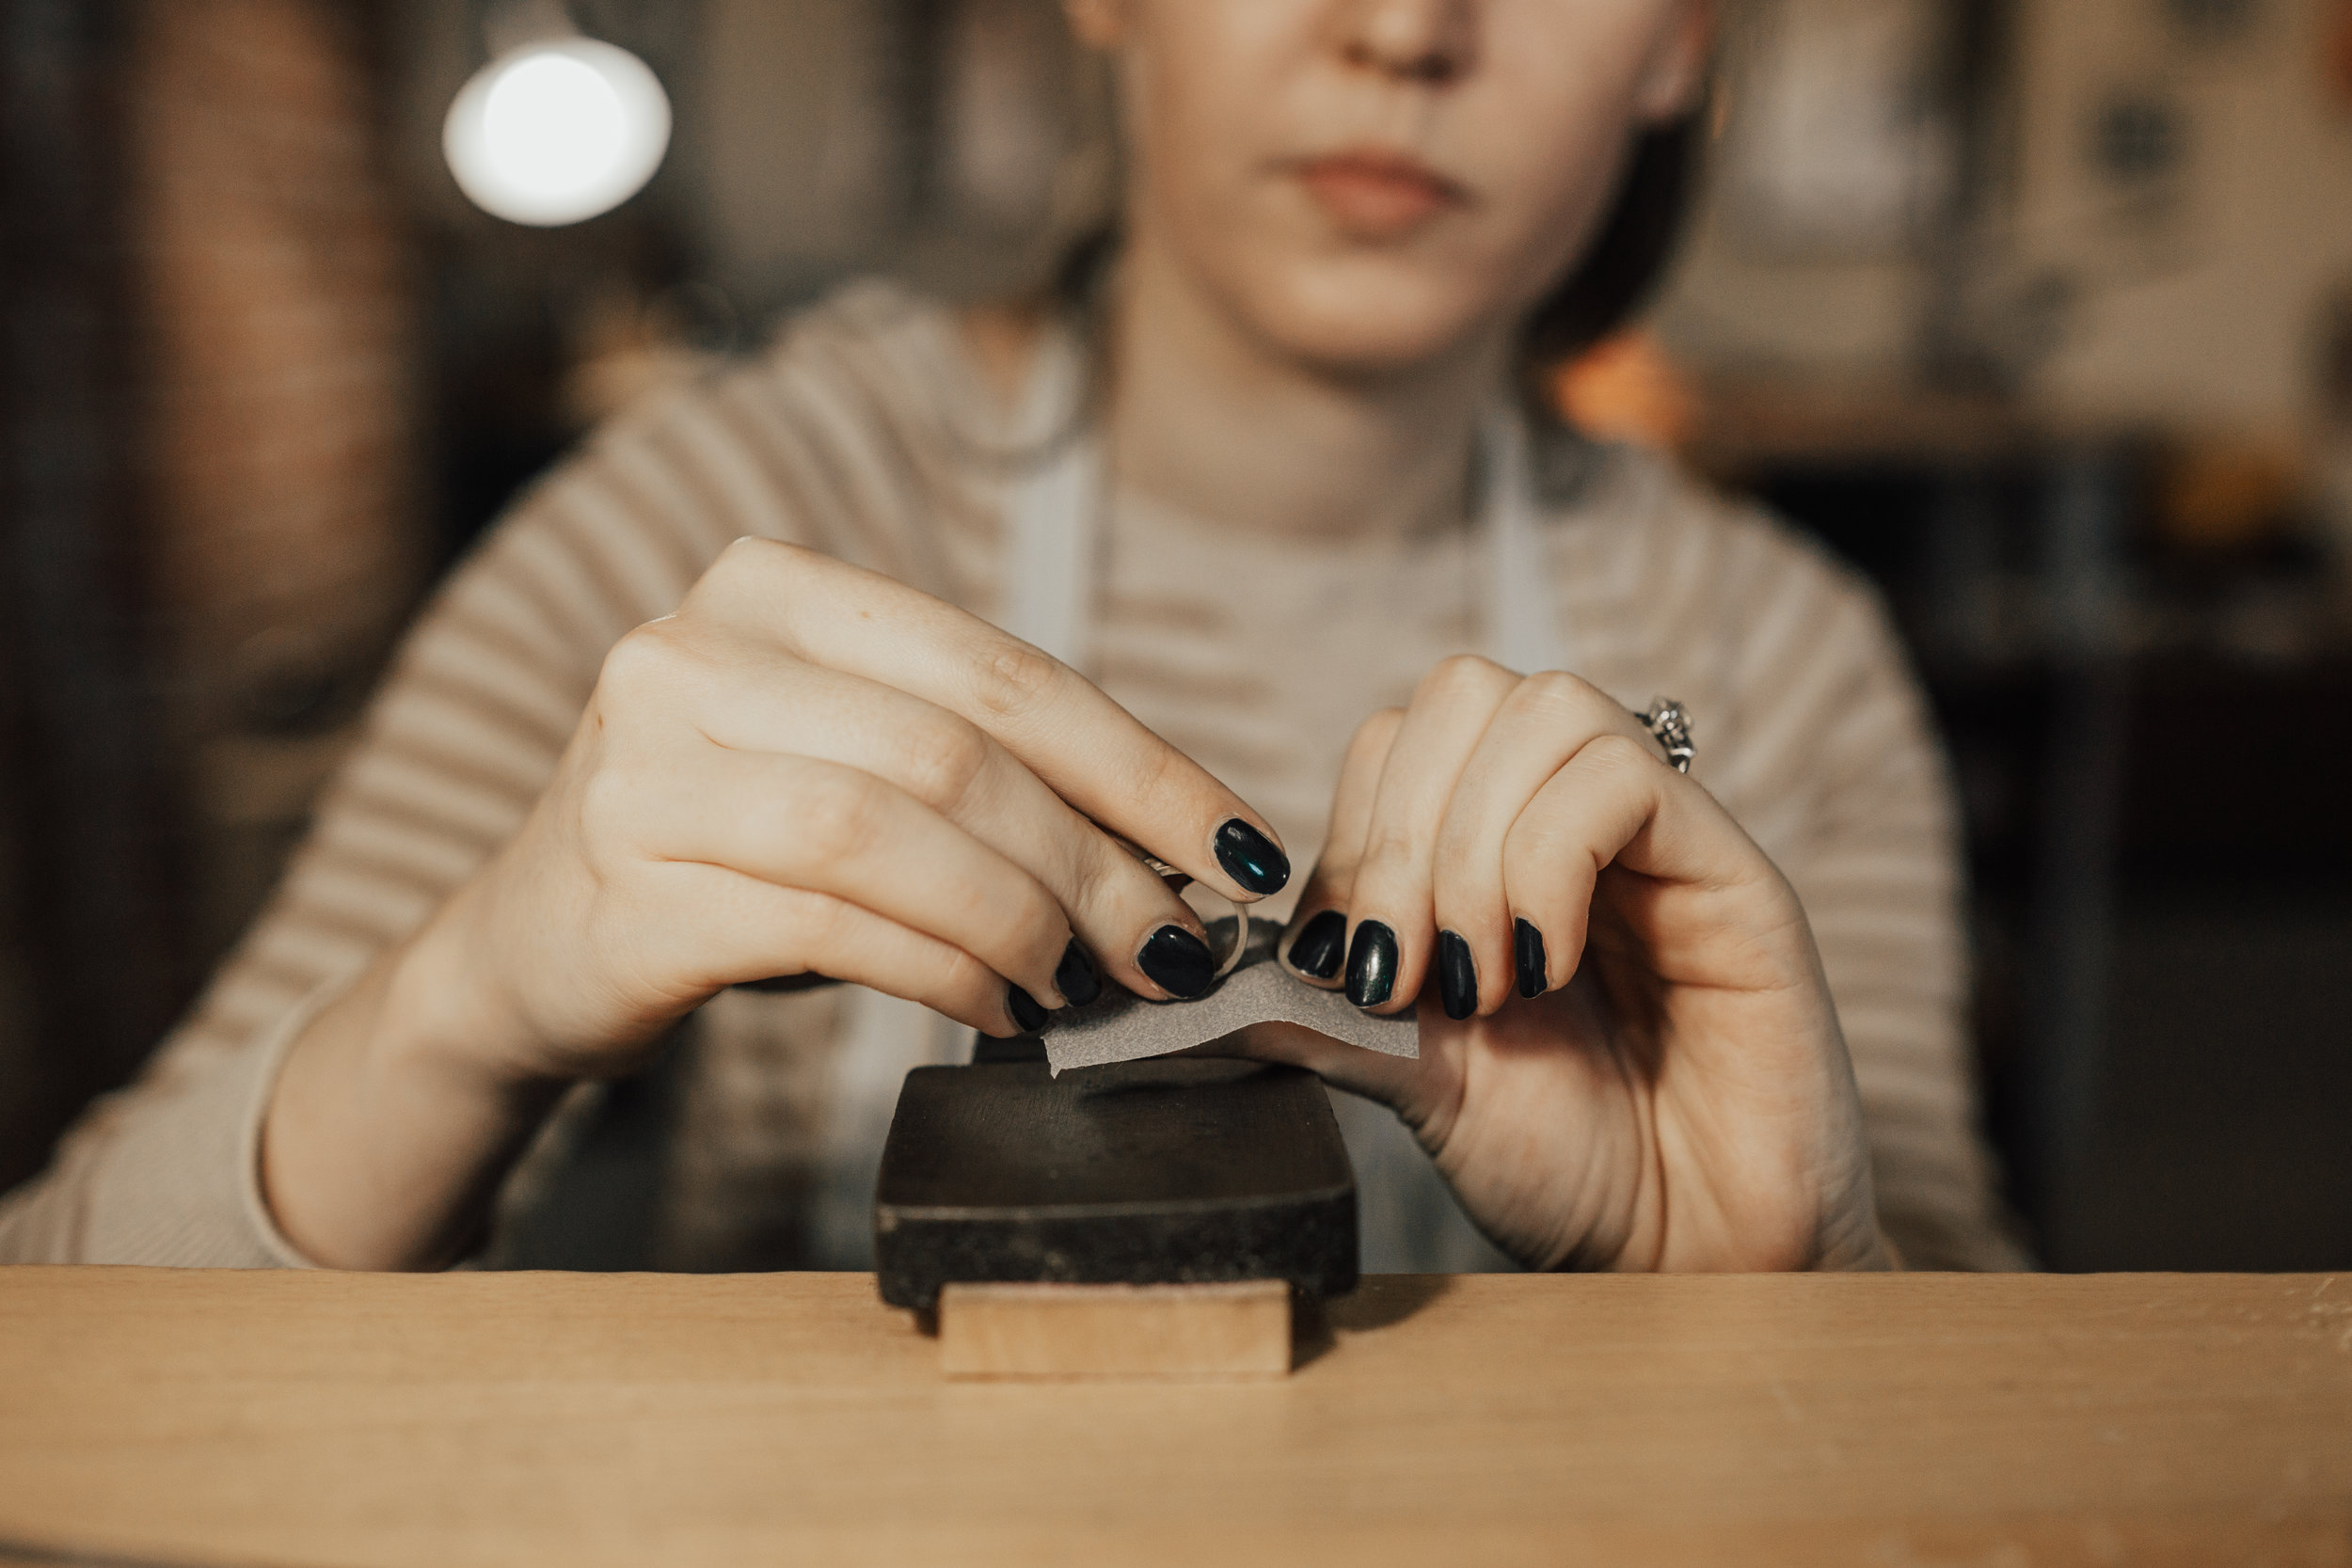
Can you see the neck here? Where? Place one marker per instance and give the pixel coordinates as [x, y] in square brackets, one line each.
[1213, 420]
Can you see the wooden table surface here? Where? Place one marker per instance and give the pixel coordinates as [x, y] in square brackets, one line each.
[314, 1419]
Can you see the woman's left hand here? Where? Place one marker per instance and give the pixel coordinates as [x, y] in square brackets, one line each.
[1629, 1054]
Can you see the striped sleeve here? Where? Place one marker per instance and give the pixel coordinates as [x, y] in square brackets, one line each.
[1878, 873]
[458, 743]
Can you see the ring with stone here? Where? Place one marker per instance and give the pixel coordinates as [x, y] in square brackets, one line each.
[1670, 721]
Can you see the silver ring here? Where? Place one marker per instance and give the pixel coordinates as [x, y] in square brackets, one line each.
[1670, 721]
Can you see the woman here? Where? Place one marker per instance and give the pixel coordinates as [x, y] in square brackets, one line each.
[1281, 517]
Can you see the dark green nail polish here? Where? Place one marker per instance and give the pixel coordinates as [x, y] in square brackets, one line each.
[1250, 858]
[1322, 944]
[1371, 965]
[1457, 976]
[1527, 952]
[1076, 976]
[1026, 1011]
[1178, 962]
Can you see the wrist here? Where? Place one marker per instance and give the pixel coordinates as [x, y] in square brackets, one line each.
[390, 1127]
[444, 1015]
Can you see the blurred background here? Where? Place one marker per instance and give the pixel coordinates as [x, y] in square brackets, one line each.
[2038, 311]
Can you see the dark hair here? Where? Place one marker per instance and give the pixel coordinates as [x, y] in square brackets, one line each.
[1628, 258]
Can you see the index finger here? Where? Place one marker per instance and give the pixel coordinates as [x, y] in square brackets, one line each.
[1088, 749]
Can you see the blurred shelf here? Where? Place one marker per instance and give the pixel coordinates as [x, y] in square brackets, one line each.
[1748, 425]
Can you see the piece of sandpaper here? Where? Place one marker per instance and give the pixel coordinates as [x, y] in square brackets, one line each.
[1120, 1026]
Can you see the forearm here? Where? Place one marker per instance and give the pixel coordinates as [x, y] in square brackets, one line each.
[388, 1134]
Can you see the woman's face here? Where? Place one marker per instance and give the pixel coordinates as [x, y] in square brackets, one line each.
[1370, 184]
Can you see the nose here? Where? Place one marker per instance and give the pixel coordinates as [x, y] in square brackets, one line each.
[1427, 41]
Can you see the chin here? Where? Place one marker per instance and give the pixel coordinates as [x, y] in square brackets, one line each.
[1367, 321]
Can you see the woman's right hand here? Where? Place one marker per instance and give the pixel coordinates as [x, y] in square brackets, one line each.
[811, 769]
[808, 769]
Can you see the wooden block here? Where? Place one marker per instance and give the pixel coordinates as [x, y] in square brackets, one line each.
[1148, 1333]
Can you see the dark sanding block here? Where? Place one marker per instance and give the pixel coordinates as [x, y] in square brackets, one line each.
[1182, 1171]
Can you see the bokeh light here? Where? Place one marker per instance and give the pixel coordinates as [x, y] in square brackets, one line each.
[557, 133]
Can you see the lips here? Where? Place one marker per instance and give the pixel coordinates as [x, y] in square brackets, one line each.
[1375, 195]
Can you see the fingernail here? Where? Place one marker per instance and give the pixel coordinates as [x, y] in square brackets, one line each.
[1076, 976]
[1178, 962]
[1250, 858]
[1371, 965]
[1320, 945]
[1457, 976]
[1025, 1009]
[1527, 952]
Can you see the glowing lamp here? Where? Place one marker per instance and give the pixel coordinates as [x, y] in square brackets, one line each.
[557, 131]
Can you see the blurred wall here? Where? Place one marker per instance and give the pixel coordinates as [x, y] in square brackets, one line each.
[956, 143]
[2165, 212]
[93, 969]
[800, 159]
[279, 324]
[2199, 301]
[211, 529]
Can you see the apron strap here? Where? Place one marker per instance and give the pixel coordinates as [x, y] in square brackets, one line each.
[1053, 512]
[1523, 621]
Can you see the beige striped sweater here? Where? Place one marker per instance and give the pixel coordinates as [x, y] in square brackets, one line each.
[869, 431]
